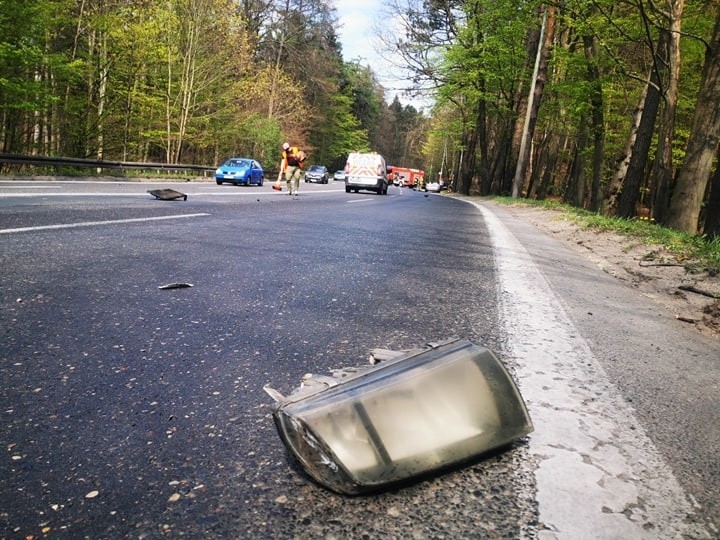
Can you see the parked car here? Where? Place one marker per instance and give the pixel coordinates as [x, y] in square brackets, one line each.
[339, 175]
[433, 186]
[245, 171]
[317, 173]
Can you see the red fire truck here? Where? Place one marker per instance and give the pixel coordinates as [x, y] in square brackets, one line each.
[404, 177]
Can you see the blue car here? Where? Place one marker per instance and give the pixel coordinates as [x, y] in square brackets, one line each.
[243, 171]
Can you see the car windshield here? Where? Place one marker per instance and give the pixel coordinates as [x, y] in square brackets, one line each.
[238, 163]
[316, 168]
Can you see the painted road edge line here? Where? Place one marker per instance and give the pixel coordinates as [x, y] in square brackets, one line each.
[598, 473]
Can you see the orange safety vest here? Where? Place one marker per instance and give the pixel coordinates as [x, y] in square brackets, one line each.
[293, 154]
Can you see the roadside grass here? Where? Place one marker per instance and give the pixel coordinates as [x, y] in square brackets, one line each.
[696, 252]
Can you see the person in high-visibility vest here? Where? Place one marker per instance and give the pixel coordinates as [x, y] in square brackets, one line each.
[291, 167]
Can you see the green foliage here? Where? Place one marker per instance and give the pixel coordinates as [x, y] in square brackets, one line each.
[27, 61]
[487, 60]
[359, 84]
[444, 133]
[601, 57]
[259, 137]
[183, 80]
[339, 135]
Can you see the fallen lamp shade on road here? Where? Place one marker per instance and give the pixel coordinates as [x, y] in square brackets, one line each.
[416, 412]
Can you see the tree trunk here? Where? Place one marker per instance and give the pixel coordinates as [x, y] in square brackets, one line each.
[550, 160]
[190, 46]
[613, 192]
[500, 182]
[662, 168]
[511, 153]
[467, 171]
[482, 147]
[462, 183]
[540, 77]
[630, 192]
[712, 209]
[591, 47]
[455, 183]
[168, 107]
[693, 177]
[103, 74]
[540, 164]
[575, 191]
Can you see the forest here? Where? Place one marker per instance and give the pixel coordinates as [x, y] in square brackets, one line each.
[609, 106]
[189, 81]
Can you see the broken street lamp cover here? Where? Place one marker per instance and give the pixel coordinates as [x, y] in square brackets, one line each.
[418, 412]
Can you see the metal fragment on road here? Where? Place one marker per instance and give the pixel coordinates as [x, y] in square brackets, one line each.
[175, 286]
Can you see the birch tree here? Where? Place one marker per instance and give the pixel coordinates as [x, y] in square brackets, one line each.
[540, 77]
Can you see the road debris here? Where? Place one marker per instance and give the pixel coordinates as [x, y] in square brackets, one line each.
[415, 412]
[167, 194]
[175, 286]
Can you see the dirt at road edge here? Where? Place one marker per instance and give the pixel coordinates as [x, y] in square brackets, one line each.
[652, 270]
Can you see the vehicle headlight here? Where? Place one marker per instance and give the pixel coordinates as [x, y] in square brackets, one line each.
[419, 412]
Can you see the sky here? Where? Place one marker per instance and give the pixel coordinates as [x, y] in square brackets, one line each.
[356, 28]
[357, 32]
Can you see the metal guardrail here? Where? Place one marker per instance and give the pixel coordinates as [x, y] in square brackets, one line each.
[17, 159]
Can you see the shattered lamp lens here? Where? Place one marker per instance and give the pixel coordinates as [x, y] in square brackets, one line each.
[405, 417]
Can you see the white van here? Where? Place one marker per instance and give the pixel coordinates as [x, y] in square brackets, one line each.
[366, 171]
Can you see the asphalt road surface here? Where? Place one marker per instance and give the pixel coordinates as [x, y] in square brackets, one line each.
[134, 411]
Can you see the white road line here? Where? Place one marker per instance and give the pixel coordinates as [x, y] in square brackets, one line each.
[267, 193]
[598, 474]
[218, 193]
[94, 223]
[98, 195]
[9, 186]
[86, 182]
